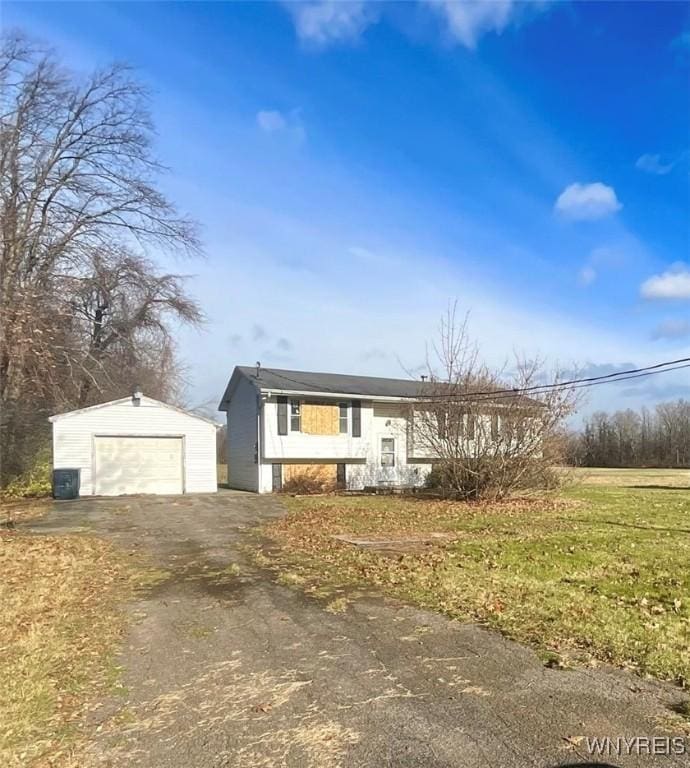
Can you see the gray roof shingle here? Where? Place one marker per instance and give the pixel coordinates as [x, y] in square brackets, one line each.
[309, 381]
[345, 384]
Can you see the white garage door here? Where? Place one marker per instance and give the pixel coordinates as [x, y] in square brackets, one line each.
[138, 465]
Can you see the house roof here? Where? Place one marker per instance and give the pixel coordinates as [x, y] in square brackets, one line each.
[122, 401]
[340, 383]
[282, 380]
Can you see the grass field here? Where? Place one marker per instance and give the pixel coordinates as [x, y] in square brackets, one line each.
[599, 573]
[632, 478]
[60, 622]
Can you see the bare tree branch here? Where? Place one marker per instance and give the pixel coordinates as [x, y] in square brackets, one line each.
[83, 309]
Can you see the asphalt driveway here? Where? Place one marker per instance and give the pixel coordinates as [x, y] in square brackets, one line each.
[224, 667]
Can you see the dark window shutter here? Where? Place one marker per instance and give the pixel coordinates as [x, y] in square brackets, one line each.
[277, 477]
[282, 415]
[356, 418]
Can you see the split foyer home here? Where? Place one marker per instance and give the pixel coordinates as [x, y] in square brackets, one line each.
[354, 429]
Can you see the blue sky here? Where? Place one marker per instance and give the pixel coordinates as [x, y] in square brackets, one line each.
[355, 166]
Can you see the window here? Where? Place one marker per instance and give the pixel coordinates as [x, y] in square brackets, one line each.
[494, 426]
[342, 418]
[471, 426]
[295, 425]
[387, 452]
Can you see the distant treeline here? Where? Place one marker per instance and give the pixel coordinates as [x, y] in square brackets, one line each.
[658, 437]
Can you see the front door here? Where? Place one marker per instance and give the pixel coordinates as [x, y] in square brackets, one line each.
[387, 461]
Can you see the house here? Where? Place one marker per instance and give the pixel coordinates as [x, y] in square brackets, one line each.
[353, 429]
[136, 445]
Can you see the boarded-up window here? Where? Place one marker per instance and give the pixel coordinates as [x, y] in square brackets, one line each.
[320, 418]
[282, 415]
[323, 473]
[356, 418]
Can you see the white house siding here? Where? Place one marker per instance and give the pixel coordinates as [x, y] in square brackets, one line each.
[421, 447]
[361, 455]
[73, 439]
[386, 420]
[243, 472]
[297, 445]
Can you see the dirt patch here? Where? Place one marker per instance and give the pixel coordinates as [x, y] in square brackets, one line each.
[21, 510]
[396, 543]
[256, 703]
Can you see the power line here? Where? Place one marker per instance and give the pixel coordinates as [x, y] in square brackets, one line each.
[581, 383]
[498, 394]
[507, 393]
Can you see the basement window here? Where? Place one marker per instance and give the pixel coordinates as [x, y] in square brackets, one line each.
[387, 452]
[295, 418]
[342, 418]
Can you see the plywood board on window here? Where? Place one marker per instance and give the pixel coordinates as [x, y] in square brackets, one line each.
[320, 419]
[325, 473]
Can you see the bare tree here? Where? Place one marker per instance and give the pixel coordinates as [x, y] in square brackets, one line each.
[485, 435]
[658, 438]
[81, 302]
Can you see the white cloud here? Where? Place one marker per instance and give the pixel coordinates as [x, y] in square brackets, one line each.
[681, 48]
[329, 21]
[670, 285]
[468, 20]
[587, 201]
[271, 121]
[671, 329]
[654, 164]
[324, 22]
[587, 275]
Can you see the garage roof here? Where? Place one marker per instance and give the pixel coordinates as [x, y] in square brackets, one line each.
[122, 400]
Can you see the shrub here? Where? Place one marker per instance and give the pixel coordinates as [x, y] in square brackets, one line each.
[36, 481]
[492, 479]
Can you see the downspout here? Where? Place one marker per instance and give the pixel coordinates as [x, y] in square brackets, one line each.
[259, 422]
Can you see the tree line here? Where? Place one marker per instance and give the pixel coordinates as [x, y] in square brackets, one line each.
[658, 437]
[86, 313]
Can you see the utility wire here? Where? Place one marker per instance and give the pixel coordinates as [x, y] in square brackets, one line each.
[498, 394]
[507, 393]
[576, 383]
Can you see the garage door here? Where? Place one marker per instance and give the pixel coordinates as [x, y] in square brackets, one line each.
[138, 465]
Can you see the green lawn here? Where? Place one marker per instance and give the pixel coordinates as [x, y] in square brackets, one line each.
[598, 573]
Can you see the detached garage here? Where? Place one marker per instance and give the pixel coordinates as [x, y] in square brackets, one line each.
[136, 445]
